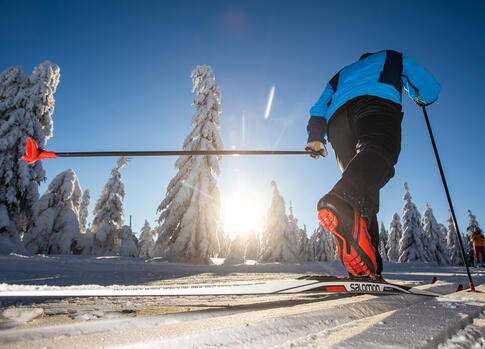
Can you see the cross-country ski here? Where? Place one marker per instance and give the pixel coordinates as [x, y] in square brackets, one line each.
[306, 284]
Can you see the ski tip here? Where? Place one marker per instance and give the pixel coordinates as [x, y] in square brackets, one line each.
[459, 288]
[34, 153]
[434, 279]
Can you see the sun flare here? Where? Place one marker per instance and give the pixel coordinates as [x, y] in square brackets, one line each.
[243, 213]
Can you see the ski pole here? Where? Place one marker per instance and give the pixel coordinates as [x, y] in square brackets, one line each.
[34, 153]
[472, 286]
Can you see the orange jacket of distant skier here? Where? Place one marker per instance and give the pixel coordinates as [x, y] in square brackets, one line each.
[477, 239]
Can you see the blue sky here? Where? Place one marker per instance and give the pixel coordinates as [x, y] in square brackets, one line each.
[125, 85]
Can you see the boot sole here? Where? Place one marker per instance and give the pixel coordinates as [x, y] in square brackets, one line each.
[350, 255]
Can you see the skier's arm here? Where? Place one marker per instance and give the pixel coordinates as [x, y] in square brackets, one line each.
[421, 86]
[321, 106]
[317, 125]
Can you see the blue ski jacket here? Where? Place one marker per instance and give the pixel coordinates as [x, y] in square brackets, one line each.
[382, 74]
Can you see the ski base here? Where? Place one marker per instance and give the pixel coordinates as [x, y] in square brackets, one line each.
[305, 284]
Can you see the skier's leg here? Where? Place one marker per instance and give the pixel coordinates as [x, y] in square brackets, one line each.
[482, 253]
[477, 254]
[366, 137]
[376, 125]
[353, 242]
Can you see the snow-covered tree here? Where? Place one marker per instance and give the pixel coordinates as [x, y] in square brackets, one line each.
[452, 244]
[146, 241]
[411, 247]
[56, 225]
[302, 241]
[237, 249]
[129, 242]
[300, 234]
[83, 243]
[395, 233]
[108, 213]
[190, 213]
[26, 107]
[224, 242]
[435, 240]
[472, 222]
[383, 236]
[253, 245]
[278, 243]
[84, 211]
[322, 246]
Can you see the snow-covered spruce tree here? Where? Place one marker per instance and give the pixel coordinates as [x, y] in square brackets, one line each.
[224, 242]
[300, 234]
[310, 247]
[278, 243]
[146, 241]
[129, 242]
[253, 245]
[472, 223]
[452, 244]
[237, 249]
[411, 247]
[395, 233]
[435, 240]
[330, 247]
[83, 244]
[190, 213]
[322, 244]
[26, 107]
[56, 226]
[383, 236]
[303, 241]
[108, 213]
[84, 211]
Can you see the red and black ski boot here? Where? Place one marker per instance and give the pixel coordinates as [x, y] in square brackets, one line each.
[354, 246]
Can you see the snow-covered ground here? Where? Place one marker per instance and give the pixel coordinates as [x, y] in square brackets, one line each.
[277, 321]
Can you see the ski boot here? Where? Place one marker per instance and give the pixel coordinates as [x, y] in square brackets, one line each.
[354, 246]
[365, 277]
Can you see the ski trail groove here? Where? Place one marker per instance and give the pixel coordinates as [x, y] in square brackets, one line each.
[258, 325]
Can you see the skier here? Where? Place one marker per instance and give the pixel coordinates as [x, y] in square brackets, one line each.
[360, 110]
[478, 241]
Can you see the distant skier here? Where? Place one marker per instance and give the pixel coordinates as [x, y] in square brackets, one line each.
[478, 241]
[360, 109]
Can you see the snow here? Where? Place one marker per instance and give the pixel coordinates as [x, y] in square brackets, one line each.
[22, 315]
[277, 321]
[471, 337]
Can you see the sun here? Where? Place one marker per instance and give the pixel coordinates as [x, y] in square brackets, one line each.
[242, 213]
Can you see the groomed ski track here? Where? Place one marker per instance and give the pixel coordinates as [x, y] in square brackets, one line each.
[272, 321]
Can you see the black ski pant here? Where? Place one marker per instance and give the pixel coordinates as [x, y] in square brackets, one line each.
[365, 134]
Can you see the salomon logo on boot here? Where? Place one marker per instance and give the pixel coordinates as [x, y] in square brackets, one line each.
[354, 246]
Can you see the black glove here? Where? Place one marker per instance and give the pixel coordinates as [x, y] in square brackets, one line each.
[317, 127]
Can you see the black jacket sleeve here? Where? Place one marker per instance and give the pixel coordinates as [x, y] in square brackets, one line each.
[317, 127]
